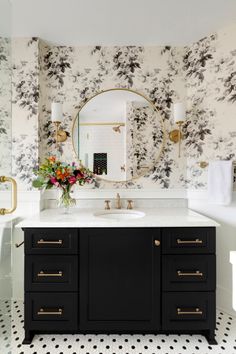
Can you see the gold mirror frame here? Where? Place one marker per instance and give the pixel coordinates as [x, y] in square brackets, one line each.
[162, 125]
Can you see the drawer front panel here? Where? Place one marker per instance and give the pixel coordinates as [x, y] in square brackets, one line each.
[51, 241]
[190, 310]
[51, 311]
[189, 273]
[51, 273]
[188, 240]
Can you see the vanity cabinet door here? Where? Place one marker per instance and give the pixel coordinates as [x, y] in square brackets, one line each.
[119, 279]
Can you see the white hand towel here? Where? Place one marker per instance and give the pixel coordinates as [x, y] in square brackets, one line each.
[220, 182]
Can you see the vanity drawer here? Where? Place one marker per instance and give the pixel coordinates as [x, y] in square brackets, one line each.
[51, 241]
[190, 310]
[188, 240]
[189, 273]
[51, 273]
[51, 311]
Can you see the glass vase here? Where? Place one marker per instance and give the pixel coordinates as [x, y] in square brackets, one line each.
[65, 200]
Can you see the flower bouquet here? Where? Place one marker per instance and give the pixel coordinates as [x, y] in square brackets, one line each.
[54, 173]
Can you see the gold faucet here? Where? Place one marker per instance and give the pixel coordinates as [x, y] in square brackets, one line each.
[118, 202]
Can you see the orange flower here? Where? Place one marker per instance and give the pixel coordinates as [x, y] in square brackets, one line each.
[52, 159]
[61, 175]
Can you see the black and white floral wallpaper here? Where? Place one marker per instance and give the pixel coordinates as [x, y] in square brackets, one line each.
[73, 75]
[5, 108]
[210, 71]
[144, 138]
[25, 110]
[203, 75]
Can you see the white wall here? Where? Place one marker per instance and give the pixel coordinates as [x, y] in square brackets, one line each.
[5, 260]
[103, 139]
[225, 242]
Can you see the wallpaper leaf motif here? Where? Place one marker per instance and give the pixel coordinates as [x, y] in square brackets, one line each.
[204, 72]
[103, 68]
[5, 109]
[26, 89]
[197, 129]
[57, 62]
[126, 62]
[197, 58]
[25, 160]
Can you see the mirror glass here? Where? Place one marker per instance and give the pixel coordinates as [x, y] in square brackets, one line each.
[118, 134]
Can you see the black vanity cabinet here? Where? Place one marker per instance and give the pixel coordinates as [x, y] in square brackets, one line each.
[120, 280]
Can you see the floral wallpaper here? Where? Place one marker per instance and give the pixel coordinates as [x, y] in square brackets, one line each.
[25, 110]
[202, 74]
[5, 108]
[73, 74]
[144, 138]
[210, 71]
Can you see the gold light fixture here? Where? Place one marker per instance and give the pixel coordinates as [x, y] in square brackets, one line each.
[57, 116]
[176, 135]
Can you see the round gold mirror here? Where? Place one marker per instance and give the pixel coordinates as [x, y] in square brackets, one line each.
[118, 134]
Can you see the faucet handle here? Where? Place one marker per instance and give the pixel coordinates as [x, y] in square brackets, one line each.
[107, 204]
[130, 204]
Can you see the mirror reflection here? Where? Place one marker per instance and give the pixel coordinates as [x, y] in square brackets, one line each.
[118, 134]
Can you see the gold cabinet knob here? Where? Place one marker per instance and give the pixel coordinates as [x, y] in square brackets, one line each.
[157, 243]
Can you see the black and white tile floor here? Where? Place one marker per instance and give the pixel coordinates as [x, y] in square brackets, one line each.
[11, 336]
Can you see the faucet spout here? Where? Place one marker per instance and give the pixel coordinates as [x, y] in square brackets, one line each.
[118, 202]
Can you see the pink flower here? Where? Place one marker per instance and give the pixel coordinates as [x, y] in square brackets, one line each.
[72, 180]
[54, 181]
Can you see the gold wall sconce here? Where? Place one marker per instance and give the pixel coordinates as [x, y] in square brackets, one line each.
[57, 117]
[179, 113]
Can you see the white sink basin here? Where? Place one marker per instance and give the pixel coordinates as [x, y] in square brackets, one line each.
[120, 214]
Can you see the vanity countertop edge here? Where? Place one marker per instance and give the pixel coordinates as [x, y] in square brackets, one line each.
[84, 218]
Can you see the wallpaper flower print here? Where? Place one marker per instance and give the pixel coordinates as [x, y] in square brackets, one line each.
[144, 138]
[203, 74]
[56, 62]
[5, 108]
[210, 69]
[227, 67]
[26, 89]
[126, 62]
[197, 57]
[93, 69]
[25, 110]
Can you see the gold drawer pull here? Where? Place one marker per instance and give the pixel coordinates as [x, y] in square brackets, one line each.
[42, 242]
[43, 312]
[42, 274]
[157, 243]
[196, 241]
[190, 274]
[182, 312]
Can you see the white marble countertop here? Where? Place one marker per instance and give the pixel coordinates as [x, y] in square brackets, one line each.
[154, 217]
